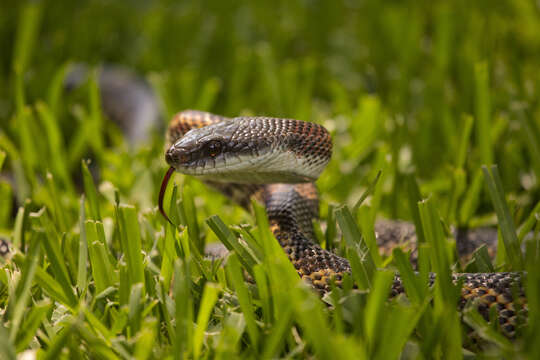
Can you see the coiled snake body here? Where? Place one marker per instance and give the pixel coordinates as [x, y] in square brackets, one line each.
[276, 161]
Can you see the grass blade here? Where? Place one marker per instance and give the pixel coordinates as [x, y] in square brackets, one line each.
[19, 299]
[2, 158]
[208, 300]
[231, 242]
[82, 281]
[91, 192]
[374, 312]
[354, 240]
[51, 246]
[6, 346]
[483, 112]
[506, 223]
[33, 321]
[131, 243]
[102, 269]
[235, 274]
[413, 197]
[183, 336]
[191, 219]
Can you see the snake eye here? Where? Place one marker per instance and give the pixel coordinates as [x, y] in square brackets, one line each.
[213, 148]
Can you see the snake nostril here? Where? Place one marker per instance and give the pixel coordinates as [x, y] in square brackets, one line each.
[170, 156]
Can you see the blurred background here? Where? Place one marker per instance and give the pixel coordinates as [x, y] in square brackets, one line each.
[420, 90]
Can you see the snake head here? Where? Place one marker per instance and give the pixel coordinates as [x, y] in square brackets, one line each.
[248, 150]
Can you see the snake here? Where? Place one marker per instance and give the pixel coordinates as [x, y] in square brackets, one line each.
[276, 161]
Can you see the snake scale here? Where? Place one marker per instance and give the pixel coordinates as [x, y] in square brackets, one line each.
[276, 161]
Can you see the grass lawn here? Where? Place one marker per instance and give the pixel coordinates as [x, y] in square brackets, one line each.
[433, 108]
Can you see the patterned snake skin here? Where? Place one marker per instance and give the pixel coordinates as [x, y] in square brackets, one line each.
[292, 151]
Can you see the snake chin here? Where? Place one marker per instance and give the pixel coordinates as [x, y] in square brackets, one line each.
[262, 169]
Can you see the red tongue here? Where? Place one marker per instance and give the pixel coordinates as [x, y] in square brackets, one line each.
[162, 193]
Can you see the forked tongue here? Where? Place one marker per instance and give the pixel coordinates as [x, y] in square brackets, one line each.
[164, 183]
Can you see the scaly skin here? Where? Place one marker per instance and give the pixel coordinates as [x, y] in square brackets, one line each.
[292, 206]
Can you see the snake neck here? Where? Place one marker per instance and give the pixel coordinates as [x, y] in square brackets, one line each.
[290, 210]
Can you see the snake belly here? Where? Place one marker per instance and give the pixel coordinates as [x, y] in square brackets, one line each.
[291, 204]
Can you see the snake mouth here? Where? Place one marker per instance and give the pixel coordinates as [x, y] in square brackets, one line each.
[164, 184]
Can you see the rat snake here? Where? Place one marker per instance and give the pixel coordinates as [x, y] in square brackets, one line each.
[276, 161]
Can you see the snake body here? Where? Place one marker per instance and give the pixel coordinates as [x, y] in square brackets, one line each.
[276, 161]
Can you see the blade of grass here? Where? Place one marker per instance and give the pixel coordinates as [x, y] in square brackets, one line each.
[95, 120]
[135, 308]
[82, 281]
[169, 250]
[354, 240]
[33, 321]
[483, 112]
[397, 331]
[482, 260]
[461, 153]
[529, 223]
[57, 151]
[51, 246]
[90, 191]
[235, 274]
[434, 235]
[230, 241]
[264, 292]
[27, 31]
[27, 138]
[229, 338]
[131, 243]
[5, 206]
[20, 298]
[56, 88]
[208, 300]
[532, 290]
[414, 289]
[471, 199]
[48, 284]
[58, 211]
[374, 312]
[146, 340]
[191, 218]
[2, 158]
[367, 224]
[530, 134]
[506, 223]
[102, 269]
[370, 190]
[277, 334]
[446, 293]
[6, 346]
[183, 342]
[413, 197]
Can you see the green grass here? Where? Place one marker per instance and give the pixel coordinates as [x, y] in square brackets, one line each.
[418, 97]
